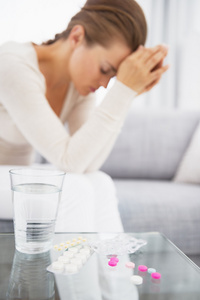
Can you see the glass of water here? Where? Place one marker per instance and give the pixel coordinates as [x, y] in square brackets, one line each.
[36, 195]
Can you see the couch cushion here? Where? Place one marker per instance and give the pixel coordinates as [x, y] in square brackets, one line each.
[173, 209]
[6, 226]
[189, 168]
[151, 144]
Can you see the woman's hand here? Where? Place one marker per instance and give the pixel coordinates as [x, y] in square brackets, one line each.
[143, 68]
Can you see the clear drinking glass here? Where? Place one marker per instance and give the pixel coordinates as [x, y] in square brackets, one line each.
[36, 194]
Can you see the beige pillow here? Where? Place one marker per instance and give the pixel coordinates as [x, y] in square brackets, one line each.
[189, 168]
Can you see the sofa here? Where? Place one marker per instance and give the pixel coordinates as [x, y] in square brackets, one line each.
[144, 164]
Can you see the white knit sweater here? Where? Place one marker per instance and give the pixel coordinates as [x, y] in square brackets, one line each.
[27, 121]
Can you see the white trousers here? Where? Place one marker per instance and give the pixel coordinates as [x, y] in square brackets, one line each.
[88, 204]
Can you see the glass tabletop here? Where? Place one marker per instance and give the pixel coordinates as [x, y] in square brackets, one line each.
[25, 276]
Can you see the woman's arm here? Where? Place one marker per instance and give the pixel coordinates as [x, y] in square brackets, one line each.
[81, 114]
[23, 97]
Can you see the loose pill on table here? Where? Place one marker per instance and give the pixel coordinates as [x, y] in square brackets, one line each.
[130, 265]
[115, 259]
[151, 270]
[137, 280]
[156, 275]
[142, 268]
[112, 263]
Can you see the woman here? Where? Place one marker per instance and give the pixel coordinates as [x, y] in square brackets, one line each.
[44, 86]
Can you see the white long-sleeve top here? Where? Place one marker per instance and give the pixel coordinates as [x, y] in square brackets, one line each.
[27, 121]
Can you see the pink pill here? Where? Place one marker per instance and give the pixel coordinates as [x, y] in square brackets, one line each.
[142, 268]
[112, 263]
[130, 265]
[115, 259]
[156, 275]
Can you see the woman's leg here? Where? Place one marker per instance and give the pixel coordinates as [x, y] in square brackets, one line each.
[107, 217]
[88, 204]
[76, 209]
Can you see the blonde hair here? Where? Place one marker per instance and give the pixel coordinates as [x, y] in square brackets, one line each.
[106, 20]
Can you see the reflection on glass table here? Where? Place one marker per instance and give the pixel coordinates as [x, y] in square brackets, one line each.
[29, 279]
[96, 280]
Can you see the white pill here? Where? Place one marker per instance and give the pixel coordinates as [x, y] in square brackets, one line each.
[64, 259]
[58, 265]
[81, 256]
[71, 268]
[86, 247]
[85, 252]
[137, 280]
[73, 250]
[79, 247]
[68, 254]
[77, 262]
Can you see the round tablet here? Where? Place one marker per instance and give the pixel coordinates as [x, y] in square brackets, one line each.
[68, 254]
[156, 275]
[115, 259]
[151, 270]
[77, 262]
[142, 268]
[137, 280]
[86, 252]
[130, 265]
[58, 265]
[73, 250]
[64, 259]
[112, 263]
[81, 256]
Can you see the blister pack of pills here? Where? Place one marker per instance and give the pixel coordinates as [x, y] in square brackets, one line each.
[73, 256]
[119, 245]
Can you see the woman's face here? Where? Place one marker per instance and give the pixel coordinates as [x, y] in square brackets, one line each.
[92, 67]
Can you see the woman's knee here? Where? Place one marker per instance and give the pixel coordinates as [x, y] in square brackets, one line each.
[102, 180]
[77, 188]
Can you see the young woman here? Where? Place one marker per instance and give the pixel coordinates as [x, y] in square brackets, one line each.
[42, 87]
